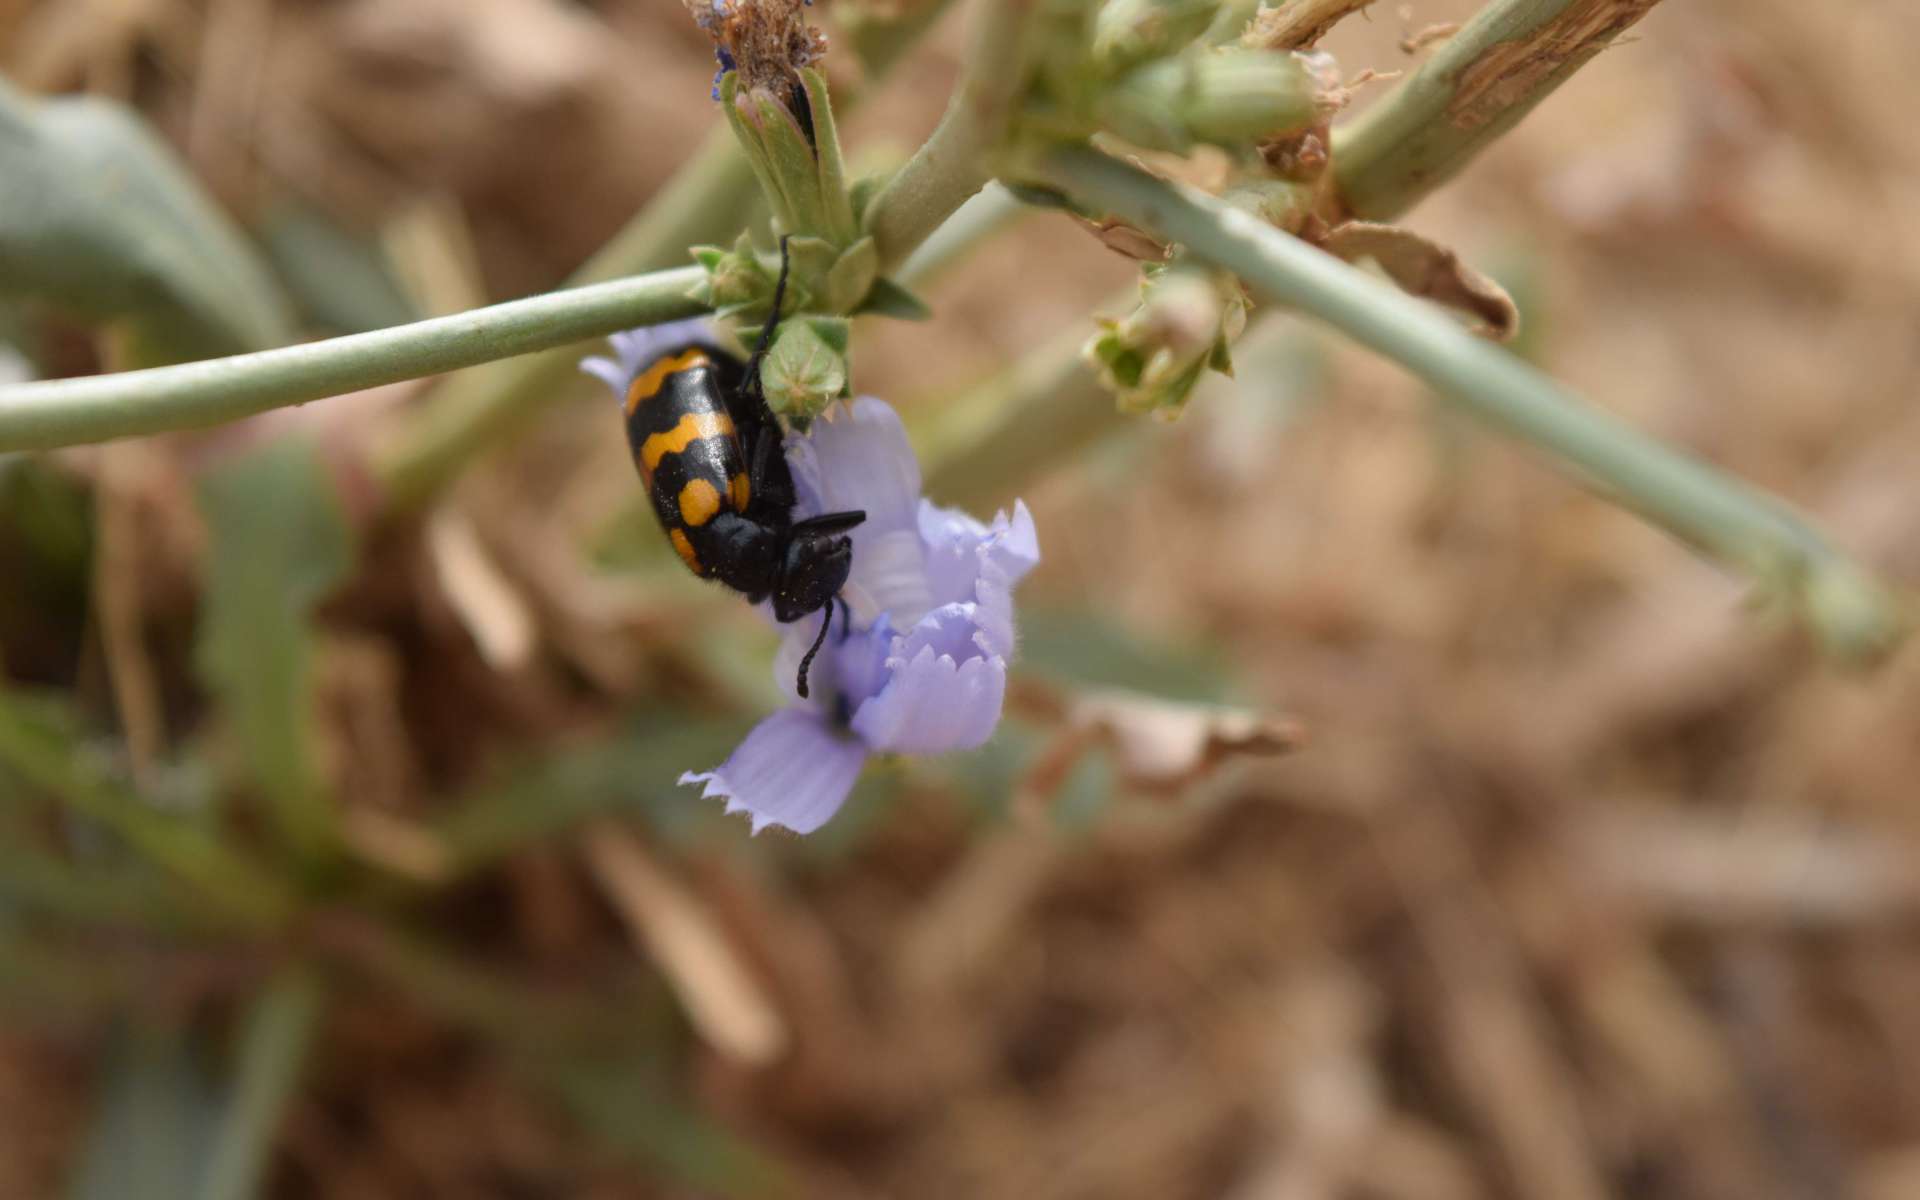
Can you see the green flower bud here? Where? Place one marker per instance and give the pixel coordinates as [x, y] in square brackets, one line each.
[737, 282]
[1228, 97]
[803, 177]
[807, 369]
[1126, 32]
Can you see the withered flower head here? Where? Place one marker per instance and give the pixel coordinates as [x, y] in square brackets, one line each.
[765, 41]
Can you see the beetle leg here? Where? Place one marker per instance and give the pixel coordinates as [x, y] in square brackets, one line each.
[829, 523]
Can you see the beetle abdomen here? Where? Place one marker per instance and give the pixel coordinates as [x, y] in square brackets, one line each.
[687, 449]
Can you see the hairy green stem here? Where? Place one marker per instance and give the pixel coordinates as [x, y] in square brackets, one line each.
[1699, 504]
[66, 412]
[1474, 88]
[957, 160]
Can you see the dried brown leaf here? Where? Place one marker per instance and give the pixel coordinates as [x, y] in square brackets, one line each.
[1166, 746]
[1429, 270]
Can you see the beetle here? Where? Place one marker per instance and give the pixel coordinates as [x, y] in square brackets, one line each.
[709, 453]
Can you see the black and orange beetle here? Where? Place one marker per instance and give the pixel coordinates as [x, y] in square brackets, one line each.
[710, 456]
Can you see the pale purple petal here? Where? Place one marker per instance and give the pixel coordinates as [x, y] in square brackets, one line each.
[636, 349]
[954, 539]
[860, 663]
[608, 372]
[889, 577]
[860, 459]
[993, 612]
[793, 770]
[951, 630]
[1016, 549]
[968, 562]
[934, 704]
[852, 666]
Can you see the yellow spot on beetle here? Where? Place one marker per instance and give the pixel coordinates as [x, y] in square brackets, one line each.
[684, 549]
[740, 491]
[690, 429]
[699, 500]
[647, 384]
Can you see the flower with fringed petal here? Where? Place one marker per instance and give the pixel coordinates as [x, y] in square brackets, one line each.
[919, 665]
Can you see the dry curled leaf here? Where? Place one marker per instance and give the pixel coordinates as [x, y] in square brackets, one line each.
[1125, 239]
[1166, 746]
[1429, 270]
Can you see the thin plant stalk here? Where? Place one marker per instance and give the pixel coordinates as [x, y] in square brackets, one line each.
[67, 412]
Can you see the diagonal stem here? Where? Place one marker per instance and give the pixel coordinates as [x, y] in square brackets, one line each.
[67, 412]
[1854, 615]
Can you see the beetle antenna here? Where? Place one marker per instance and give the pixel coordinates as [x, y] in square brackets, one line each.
[827, 623]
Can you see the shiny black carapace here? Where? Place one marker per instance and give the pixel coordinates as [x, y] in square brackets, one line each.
[710, 456]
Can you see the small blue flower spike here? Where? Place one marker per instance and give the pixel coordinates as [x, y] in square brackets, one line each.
[922, 668]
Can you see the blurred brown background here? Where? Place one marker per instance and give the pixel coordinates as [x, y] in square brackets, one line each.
[1591, 882]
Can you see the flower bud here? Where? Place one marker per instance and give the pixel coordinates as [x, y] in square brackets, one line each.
[737, 282]
[1152, 358]
[794, 147]
[807, 369]
[1126, 32]
[1228, 97]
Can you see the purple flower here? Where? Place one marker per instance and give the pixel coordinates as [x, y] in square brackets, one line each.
[921, 665]
[923, 669]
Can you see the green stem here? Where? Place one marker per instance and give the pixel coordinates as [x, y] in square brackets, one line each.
[1854, 615]
[66, 412]
[274, 1044]
[958, 159]
[1474, 88]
